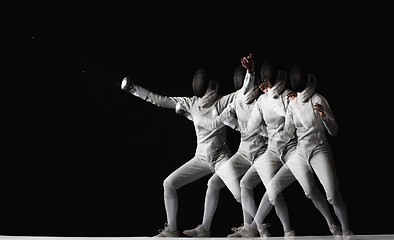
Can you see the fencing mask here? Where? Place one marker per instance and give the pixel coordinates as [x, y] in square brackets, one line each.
[206, 90]
[239, 76]
[302, 83]
[200, 83]
[276, 78]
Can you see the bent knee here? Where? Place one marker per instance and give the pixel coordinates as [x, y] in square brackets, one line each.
[215, 183]
[244, 184]
[275, 199]
[238, 199]
[249, 182]
[334, 198]
[312, 194]
[169, 183]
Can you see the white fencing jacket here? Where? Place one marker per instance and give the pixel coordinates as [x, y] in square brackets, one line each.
[236, 115]
[271, 112]
[209, 141]
[308, 124]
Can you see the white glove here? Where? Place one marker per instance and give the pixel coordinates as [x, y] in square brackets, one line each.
[129, 86]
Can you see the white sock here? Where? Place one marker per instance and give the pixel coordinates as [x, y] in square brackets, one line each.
[282, 212]
[171, 205]
[320, 203]
[211, 203]
[341, 212]
[263, 210]
[249, 208]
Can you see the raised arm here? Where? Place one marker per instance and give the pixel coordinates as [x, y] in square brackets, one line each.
[248, 63]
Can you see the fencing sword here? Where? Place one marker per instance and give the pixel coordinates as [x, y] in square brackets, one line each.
[113, 79]
[117, 79]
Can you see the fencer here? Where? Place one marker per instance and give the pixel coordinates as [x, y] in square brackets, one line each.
[252, 144]
[270, 110]
[307, 117]
[212, 149]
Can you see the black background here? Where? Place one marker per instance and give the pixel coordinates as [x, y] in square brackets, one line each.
[83, 158]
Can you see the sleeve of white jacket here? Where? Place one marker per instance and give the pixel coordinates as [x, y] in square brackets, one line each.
[329, 121]
[256, 117]
[160, 100]
[229, 117]
[225, 100]
[226, 117]
[248, 78]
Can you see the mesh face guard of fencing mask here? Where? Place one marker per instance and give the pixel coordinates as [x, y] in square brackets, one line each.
[200, 83]
[205, 89]
[268, 72]
[297, 78]
[304, 84]
[275, 77]
[239, 76]
[280, 84]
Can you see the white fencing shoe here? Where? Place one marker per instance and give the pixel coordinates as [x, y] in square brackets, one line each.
[263, 230]
[245, 231]
[347, 235]
[289, 234]
[336, 231]
[199, 231]
[166, 232]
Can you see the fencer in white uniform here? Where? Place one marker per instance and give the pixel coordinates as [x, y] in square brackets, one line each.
[308, 116]
[270, 110]
[212, 149]
[252, 145]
